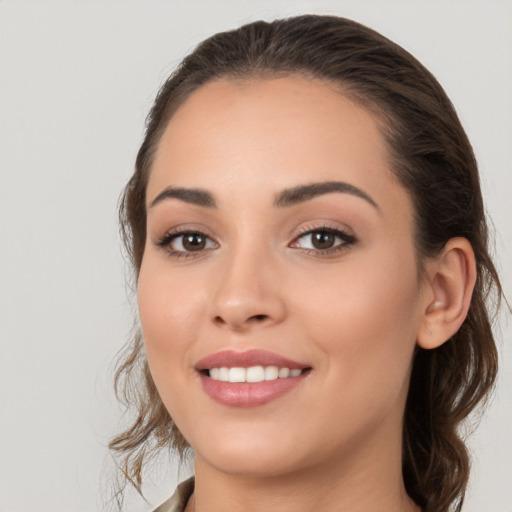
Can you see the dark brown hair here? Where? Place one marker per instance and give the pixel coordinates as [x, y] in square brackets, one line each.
[431, 157]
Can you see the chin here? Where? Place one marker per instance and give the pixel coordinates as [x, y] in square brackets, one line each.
[253, 465]
[249, 454]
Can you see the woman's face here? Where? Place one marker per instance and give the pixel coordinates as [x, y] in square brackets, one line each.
[279, 240]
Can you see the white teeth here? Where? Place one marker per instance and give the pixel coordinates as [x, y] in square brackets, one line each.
[223, 374]
[255, 374]
[252, 374]
[284, 372]
[236, 375]
[271, 373]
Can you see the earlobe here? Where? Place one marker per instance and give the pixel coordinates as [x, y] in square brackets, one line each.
[451, 279]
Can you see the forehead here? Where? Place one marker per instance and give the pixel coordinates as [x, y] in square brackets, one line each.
[273, 133]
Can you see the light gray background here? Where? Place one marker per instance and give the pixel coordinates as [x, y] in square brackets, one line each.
[76, 81]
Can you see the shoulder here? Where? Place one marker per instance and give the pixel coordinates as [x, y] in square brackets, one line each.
[178, 501]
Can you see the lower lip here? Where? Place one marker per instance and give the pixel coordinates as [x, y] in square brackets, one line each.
[248, 394]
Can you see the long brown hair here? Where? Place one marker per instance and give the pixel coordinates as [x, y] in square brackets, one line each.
[431, 157]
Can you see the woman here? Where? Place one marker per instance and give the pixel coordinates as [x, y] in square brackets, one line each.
[309, 244]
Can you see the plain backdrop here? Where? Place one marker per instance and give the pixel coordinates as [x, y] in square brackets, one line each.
[76, 81]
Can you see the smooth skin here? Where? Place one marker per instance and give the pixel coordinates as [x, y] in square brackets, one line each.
[354, 309]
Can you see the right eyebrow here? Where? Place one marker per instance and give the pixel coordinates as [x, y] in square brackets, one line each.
[195, 196]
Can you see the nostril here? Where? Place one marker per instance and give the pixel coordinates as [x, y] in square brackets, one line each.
[218, 320]
[239, 321]
[259, 317]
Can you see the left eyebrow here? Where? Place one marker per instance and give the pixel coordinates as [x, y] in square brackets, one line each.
[296, 195]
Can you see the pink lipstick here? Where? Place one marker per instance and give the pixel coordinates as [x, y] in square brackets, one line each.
[249, 379]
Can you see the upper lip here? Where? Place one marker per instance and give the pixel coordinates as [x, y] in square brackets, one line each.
[232, 358]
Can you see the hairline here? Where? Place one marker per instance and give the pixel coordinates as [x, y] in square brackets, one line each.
[380, 112]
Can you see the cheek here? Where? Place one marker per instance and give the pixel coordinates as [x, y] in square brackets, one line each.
[168, 310]
[365, 321]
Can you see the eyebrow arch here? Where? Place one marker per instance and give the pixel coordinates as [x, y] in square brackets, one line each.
[295, 195]
[195, 196]
[287, 197]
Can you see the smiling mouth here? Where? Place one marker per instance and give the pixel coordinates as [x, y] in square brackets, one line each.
[249, 378]
[253, 374]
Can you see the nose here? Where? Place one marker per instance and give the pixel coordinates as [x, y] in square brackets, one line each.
[247, 294]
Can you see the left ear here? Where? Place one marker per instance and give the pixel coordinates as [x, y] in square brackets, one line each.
[450, 281]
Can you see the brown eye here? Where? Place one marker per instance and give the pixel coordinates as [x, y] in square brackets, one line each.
[186, 242]
[322, 239]
[193, 242]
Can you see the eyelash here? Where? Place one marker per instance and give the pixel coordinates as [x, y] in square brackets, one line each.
[166, 241]
[346, 241]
